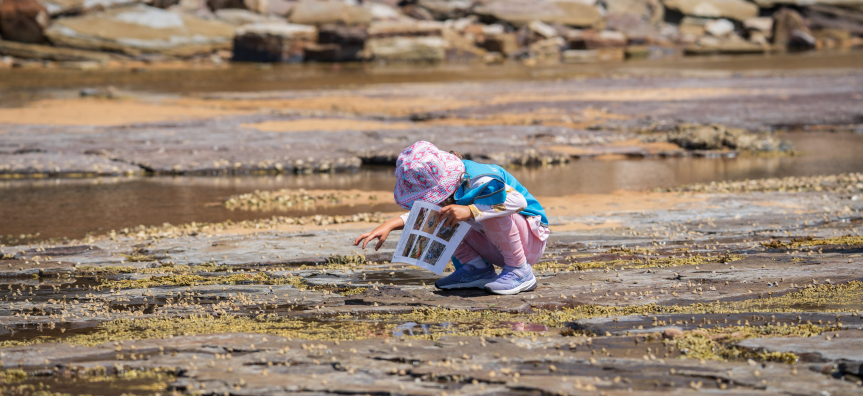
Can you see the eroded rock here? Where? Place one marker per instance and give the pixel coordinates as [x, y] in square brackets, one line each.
[141, 29]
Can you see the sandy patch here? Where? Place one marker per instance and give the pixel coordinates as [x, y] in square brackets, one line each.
[544, 116]
[625, 95]
[582, 226]
[103, 112]
[325, 125]
[390, 105]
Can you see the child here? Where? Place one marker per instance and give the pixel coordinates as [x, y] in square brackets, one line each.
[508, 226]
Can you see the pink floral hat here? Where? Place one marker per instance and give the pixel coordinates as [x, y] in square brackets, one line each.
[425, 173]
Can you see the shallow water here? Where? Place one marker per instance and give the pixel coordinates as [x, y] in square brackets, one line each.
[71, 208]
[31, 84]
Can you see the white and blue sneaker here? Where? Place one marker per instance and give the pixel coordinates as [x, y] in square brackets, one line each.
[513, 280]
[467, 276]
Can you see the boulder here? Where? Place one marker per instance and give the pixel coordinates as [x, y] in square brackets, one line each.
[493, 40]
[693, 26]
[223, 4]
[164, 3]
[759, 24]
[141, 29]
[548, 50]
[312, 12]
[337, 43]
[821, 16]
[542, 29]
[738, 10]
[382, 12]
[416, 12]
[790, 31]
[522, 12]
[461, 47]
[447, 9]
[240, 17]
[806, 3]
[74, 7]
[273, 42]
[259, 6]
[23, 21]
[719, 27]
[197, 8]
[47, 52]
[636, 28]
[405, 28]
[633, 7]
[592, 39]
[407, 49]
[407, 41]
[280, 7]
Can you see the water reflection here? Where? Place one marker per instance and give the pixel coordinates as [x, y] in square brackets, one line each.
[531, 327]
[71, 208]
[415, 329]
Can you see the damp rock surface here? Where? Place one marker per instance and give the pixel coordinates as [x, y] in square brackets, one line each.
[732, 290]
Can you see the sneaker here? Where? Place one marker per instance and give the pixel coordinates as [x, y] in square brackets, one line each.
[513, 280]
[466, 277]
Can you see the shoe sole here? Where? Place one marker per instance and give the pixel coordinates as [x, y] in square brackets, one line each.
[480, 283]
[526, 286]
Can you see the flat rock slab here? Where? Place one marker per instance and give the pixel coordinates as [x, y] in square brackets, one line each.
[140, 29]
[240, 363]
[337, 130]
[644, 324]
[833, 346]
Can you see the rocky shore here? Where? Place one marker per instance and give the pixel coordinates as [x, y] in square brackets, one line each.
[511, 123]
[678, 292]
[92, 34]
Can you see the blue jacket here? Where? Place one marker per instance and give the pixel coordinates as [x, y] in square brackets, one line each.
[494, 192]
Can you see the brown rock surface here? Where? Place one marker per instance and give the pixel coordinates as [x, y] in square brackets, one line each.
[141, 29]
[36, 51]
[733, 9]
[273, 42]
[23, 21]
[312, 12]
[790, 31]
[522, 12]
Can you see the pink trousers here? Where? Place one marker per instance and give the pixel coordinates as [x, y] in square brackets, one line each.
[505, 241]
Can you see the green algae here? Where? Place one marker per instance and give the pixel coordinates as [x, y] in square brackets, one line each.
[87, 381]
[845, 182]
[165, 267]
[290, 327]
[647, 261]
[846, 240]
[12, 375]
[196, 280]
[719, 343]
[285, 199]
[139, 258]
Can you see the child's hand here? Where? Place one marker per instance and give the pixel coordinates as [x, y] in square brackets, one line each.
[453, 214]
[380, 233]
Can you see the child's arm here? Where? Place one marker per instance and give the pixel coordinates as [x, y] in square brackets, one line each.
[381, 232]
[452, 214]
